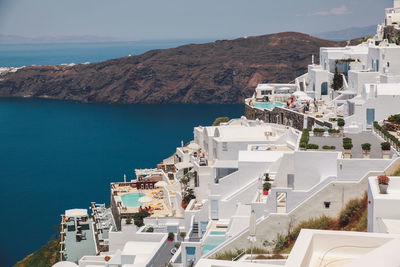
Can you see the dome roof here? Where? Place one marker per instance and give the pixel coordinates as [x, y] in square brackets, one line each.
[65, 264]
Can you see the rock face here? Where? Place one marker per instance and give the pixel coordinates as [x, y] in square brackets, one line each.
[218, 72]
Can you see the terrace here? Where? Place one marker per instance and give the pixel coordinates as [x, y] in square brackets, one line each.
[357, 140]
[77, 235]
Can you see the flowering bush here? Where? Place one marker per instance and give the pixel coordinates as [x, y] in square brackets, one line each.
[383, 179]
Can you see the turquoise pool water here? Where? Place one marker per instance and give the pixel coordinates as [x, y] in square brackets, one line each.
[213, 241]
[217, 233]
[131, 199]
[268, 105]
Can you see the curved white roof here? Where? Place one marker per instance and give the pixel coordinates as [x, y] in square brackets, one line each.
[65, 264]
[76, 213]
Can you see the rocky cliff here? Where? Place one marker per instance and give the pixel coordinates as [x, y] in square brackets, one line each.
[219, 72]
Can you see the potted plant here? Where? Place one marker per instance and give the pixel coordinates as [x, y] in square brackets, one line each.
[171, 236]
[182, 235]
[383, 182]
[385, 150]
[266, 188]
[347, 146]
[366, 148]
[318, 132]
[334, 132]
[341, 123]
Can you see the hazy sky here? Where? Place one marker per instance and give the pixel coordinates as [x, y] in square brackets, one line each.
[184, 19]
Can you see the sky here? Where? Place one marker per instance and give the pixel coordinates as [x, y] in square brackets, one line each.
[184, 19]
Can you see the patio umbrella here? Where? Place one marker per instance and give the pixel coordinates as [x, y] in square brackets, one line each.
[252, 231]
[160, 184]
[145, 199]
[305, 98]
[299, 94]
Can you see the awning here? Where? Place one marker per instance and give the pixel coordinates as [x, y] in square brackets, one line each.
[183, 165]
[76, 213]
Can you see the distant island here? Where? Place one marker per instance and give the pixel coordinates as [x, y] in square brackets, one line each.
[219, 72]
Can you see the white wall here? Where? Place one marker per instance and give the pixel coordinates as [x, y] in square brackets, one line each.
[383, 206]
[353, 169]
[357, 79]
[308, 173]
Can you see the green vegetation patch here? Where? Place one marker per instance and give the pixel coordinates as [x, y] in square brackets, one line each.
[44, 257]
[220, 120]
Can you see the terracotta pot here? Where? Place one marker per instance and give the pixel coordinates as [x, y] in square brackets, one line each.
[265, 192]
[383, 188]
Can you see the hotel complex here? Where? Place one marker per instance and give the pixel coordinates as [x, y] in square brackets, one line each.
[303, 150]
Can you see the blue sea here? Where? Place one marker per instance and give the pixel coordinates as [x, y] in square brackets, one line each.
[18, 55]
[57, 155]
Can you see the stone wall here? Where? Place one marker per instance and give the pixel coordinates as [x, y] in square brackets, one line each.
[284, 116]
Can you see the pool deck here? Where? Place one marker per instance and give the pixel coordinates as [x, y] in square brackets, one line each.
[163, 211]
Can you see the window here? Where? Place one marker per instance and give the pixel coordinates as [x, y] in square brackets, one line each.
[196, 180]
[224, 146]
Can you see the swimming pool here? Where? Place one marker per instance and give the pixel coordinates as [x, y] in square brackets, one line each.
[131, 199]
[268, 105]
[217, 233]
[212, 241]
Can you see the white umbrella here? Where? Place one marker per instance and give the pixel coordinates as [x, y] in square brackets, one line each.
[252, 231]
[145, 199]
[160, 184]
[305, 98]
[299, 94]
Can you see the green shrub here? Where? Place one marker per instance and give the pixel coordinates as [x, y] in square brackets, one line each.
[347, 143]
[333, 131]
[394, 118]
[319, 130]
[340, 122]
[329, 147]
[366, 146]
[352, 208]
[312, 146]
[303, 145]
[139, 216]
[305, 136]
[183, 234]
[177, 244]
[280, 243]
[128, 220]
[385, 146]
[387, 134]
[321, 223]
[171, 235]
[220, 120]
[150, 230]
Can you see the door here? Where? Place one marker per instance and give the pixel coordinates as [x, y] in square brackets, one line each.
[370, 116]
[290, 181]
[324, 88]
[214, 209]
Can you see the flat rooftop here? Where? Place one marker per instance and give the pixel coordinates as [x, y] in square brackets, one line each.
[77, 248]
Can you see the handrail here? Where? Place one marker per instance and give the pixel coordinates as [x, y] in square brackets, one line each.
[239, 256]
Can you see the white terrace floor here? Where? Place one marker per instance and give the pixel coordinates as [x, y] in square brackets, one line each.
[74, 250]
[357, 139]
